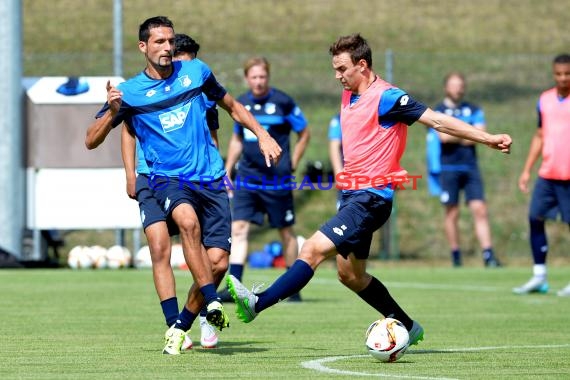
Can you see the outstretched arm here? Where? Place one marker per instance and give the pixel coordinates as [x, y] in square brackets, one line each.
[98, 131]
[533, 154]
[268, 146]
[300, 147]
[234, 152]
[455, 127]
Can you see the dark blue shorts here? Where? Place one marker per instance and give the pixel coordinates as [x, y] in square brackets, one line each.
[550, 198]
[150, 210]
[210, 202]
[360, 214]
[452, 182]
[252, 205]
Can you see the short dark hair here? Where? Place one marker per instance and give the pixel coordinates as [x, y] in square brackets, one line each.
[183, 43]
[561, 58]
[355, 45]
[153, 22]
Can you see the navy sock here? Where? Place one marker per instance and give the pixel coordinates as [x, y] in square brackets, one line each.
[377, 296]
[290, 282]
[209, 293]
[488, 254]
[456, 257]
[236, 270]
[185, 319]
[170, 310]
[203, 312]
[538, 242]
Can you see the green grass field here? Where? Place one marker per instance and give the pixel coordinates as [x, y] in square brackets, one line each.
[63, 324]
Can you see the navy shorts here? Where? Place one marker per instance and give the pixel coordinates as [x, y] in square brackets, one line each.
[252, 205]
[452, 182]
[360, 214]
[549, 199]
[150, 210]
[209, 201]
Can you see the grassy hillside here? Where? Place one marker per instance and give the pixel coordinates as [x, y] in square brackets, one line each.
[504, 47]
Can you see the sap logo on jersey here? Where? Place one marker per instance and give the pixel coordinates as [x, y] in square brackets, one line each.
[174, 119]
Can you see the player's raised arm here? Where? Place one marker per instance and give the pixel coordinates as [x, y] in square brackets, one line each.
[268, 146]
[100, 128]
[455, 127]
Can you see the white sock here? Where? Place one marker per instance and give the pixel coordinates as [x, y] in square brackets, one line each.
[539, 271]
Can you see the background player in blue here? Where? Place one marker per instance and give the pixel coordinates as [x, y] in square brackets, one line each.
[460, 171]
[279, 115]
[164, 107]
[335, 149]
[154, 218]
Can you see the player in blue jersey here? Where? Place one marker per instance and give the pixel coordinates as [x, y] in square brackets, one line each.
[165, 109]
[154, 219]
[460, 171]
[260, 190]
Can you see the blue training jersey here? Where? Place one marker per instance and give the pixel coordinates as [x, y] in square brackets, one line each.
[279, 115]
[335, 132]
[168, 117]
[457, 157]
[213, 124]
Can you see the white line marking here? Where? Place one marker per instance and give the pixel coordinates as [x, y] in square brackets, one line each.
[318, 364]
[414, 285]
[490, 348]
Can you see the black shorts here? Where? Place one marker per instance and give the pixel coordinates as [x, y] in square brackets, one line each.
[359, 215]
[209, 201]
[550, 198]
[452, 182]
[252, 205]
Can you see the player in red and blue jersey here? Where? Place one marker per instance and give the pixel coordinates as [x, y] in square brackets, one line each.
[165, 109]
[374, 119]
[551, 195]
[459, 171]
[260, 190]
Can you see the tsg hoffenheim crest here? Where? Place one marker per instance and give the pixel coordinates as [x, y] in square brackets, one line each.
[270, 108]
[185, 81]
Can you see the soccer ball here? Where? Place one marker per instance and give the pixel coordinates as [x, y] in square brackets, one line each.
[79, 258]
[118, 257]
[142, 258]
[177, 259]
[99, 256]
[387, 339]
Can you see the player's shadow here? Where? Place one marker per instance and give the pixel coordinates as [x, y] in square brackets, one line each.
[232, 348]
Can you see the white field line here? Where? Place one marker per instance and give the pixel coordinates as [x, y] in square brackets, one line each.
[418, 285]
[319, 364]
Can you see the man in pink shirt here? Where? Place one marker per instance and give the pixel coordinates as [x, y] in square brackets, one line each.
[374, 120]
[551, 194]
